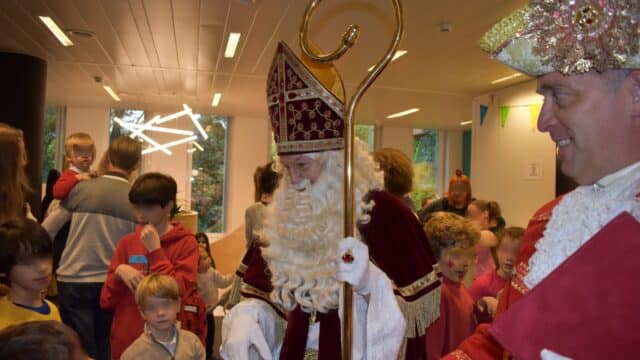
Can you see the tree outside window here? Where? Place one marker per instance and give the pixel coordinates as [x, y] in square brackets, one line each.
[425, 165]
[209, 175]
[53, 116]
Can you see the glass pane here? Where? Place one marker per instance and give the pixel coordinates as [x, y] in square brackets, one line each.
[126, 115]
[366, 133]
[52, 115]
[208, 175]
[425, 165]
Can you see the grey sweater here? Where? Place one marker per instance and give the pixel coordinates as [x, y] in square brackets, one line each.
[100, 216]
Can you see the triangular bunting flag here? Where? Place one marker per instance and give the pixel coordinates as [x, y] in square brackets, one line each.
[504, 112]
[534, 110]
[483, 113]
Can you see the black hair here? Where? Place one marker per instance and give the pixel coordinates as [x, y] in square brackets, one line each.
[52, 177]
[22, 240]
[153, 189]
[269, 179]
[202, 238]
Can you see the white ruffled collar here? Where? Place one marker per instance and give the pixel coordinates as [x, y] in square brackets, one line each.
[580, 215]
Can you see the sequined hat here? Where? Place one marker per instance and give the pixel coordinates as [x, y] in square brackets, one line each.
[568, 36]
[306, 104]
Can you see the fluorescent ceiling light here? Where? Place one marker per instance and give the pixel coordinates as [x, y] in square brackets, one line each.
[145, 127]
[56, 31]
[113, 94]
[403, 113]
[139, 131]
[466, 123]
[398, 54]
[198, 146]
[216, 99]
[170, 144]
[506, 78]
[195, 121]
[144, 137]
[172, 116]
[232, 44]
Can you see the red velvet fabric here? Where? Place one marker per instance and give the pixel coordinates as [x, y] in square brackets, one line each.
[585, 308]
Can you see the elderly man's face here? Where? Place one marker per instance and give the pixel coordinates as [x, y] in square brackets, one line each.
[301, 167]
[591, 123]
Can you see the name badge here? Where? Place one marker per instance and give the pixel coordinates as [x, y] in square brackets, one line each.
[137, 259]
[191, 308]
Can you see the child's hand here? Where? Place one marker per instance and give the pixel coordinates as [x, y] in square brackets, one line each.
[488, 304]
[150, 238]
[129, 276]
[83, 176]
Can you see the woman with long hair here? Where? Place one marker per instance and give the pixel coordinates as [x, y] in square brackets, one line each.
[13, 179]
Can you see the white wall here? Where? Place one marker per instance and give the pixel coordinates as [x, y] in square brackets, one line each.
[93, 121]
[247, 149]
[499, 155]
[396, 137]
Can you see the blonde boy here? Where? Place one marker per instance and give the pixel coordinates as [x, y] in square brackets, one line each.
[80, 152]
[158, 299]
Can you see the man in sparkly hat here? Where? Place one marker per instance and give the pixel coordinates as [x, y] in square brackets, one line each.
[292, 285]
[575, 288]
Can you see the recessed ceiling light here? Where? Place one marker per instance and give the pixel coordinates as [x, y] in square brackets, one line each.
[232, 44]
[216, 99]
[398, 54]
[403, 113]
[466, 123]
[506, 78]
[56, 30]
[170, 144]
[113, 94]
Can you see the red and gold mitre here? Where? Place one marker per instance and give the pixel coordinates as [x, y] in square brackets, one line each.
[306, 104]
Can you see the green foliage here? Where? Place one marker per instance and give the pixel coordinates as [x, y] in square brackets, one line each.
[51, 116]
[425, 155]
[366, 133]
[207, 187]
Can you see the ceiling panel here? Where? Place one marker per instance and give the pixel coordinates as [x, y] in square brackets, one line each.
[106, 37]
[160, 18]
[158, 54]
[124, 25]
[186, 14]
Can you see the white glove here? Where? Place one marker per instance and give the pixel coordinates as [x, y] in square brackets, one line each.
[546, 354]
[357, 271]
[244, 334]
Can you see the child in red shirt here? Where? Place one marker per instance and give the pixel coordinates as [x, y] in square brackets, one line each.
[485, 288]
[157, 246]
[80, 152]
[452, 238]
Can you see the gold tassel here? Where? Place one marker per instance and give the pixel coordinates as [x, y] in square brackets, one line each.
[234, 293]
[420, 313]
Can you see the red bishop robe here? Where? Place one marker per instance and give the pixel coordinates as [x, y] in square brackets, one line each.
[482, 345]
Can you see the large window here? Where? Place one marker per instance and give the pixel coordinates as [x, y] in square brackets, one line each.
[51, 159]
[209, 174]
[425, 155]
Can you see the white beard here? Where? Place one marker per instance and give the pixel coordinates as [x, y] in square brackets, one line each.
[303, 230]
